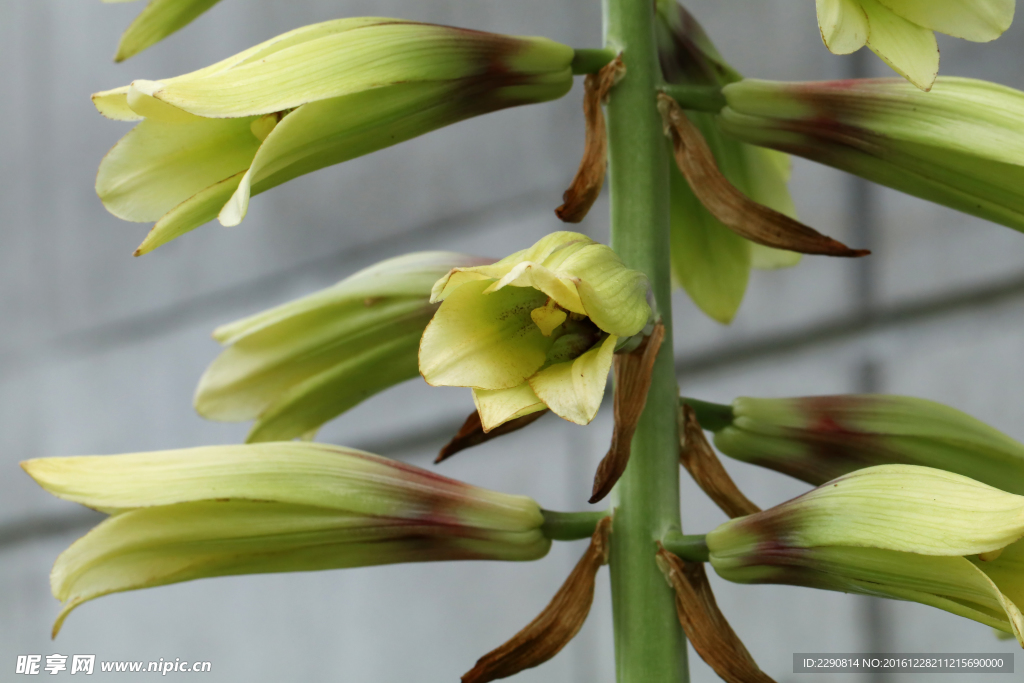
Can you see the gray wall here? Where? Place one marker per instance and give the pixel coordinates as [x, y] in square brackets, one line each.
[100, 352]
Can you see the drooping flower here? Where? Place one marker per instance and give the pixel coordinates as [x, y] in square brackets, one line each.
[895, 531]
[901, 32]
[275, 507]
[309, 98]
[535, 330]
[818, 438]
[296, 366]
[158, 20]
[710, 261]
[960, 145]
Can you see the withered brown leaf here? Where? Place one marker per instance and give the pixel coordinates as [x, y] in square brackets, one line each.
[700, 460]
[632, 382]
[732, 208]
[589, 178]
[556, 625]
[705, 625]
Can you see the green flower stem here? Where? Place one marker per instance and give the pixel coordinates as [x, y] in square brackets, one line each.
[570, 526]
[589, 61]
[697, 97]
[649, 642]
[690, 548]
[712, 416]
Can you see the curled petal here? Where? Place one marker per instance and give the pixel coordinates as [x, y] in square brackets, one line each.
[573, 390]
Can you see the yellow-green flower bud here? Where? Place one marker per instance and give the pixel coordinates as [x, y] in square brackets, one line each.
[296, 366]
[896, 531]
[275, 507]
[960, 145]
[901, 32]
[158, 20]
[307, 99]
[710, 261]
[818, 438]
[535, 330]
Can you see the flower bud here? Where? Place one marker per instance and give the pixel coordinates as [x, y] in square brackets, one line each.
[275, 507]
[535, 330]
[710, 261]
[338, 90]
[294, 367]
[818, 438]
[896, 531]
[959, 145]
[901, 32]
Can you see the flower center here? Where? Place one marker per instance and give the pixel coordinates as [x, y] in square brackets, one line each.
[548, 317]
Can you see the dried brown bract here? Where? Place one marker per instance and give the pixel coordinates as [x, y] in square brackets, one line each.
[705, 625]
[561, 620]
[589, 179]
[697, 456]
[735, 210]
[632, 381]
[472, 433]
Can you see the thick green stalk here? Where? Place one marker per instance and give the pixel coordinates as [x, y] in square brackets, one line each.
[649, 642]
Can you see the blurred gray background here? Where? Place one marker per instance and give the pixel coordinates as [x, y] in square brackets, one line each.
[100, 352]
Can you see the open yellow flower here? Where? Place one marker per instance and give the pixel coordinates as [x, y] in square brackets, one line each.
[901, 32]
[897, 531]
[535, 330]
[309, 98]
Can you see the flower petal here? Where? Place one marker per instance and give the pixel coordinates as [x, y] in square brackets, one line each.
[368, 365]
[157, 165]
[190, 214]
[573, 390]
[538, 253]
[114, 104]
[977, 20]
[614, 296]
[258, 371]
[484, 341]
[843, 25]
[329, 132]
[909, 49]
[940, 513]
[347, 61]
[496, 407]
[149, 547]
[562, 290]
[292, 472]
